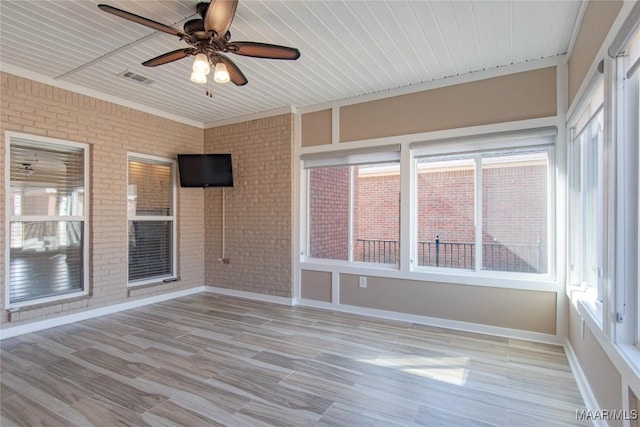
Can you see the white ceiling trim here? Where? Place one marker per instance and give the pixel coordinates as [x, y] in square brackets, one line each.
[449, 81]
[21, 72]
[352, 51]
[255, 116]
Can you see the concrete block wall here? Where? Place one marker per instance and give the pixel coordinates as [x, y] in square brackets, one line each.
[111, 131]
[258, 210]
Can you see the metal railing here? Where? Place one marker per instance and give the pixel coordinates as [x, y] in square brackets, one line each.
[514, 257]
[446, 254]
[378, 251]
[495, 256]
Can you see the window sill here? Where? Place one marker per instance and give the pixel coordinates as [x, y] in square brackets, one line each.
[625, 357]
[47, 302]
[453, 276]
[586, 302]
[152, 282]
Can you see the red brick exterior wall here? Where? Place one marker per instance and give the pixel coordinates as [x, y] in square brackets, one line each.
[514, 211]
[329, 212]
[514, 208]
[446, 206]
[377, 216]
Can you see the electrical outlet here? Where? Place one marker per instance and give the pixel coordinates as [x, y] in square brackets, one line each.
[362, 281]
[226, 260]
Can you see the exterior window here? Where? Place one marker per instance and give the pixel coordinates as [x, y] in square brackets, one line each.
[627, 259]
[514, 212]
[151, 219]
[586, 211]
[446, 212]
[354, 213]
[47, 219]
[506, 192]
[329, 193]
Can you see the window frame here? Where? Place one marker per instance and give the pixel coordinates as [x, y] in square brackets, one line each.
[625, 298]
[592, 297]
[85, 218]
[577, 158]
[364, 160]
[470, 147]
[512, 134]
[151, 159]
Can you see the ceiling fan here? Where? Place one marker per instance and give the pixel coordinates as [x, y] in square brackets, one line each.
[208, 38]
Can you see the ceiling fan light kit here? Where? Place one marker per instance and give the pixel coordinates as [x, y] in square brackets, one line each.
[198, 77]
[208, 38]
[221, 75]
[201, 64]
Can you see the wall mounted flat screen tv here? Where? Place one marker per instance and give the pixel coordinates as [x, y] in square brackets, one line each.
[205, 170]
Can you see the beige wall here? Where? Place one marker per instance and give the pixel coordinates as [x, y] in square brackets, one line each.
[526, 95]
[316, 128]
[519, 96]
[111, 131]
[315, 285]
[596, 23]
[507, 308]
[604, 379]
[258, 209]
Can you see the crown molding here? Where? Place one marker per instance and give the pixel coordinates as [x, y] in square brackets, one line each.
[21, 72]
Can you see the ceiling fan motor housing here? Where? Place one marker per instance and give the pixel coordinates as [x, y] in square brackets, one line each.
[194, 25]
[202, 9]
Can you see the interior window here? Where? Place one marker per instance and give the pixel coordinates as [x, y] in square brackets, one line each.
[47, 222]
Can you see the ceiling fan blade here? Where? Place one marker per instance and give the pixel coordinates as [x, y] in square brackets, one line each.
[141, 20]
[219, 15]
[235, 74]
[169, 57]
[263, 50]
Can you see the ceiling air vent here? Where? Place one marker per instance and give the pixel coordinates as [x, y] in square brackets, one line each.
[136, 77]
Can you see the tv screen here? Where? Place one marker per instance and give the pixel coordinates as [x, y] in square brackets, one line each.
[205, 170]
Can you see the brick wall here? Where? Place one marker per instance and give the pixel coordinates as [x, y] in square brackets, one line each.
[258, 209]
[111, 131]
[514, 208]
[329, 207]
[377, 216]
[446, 206]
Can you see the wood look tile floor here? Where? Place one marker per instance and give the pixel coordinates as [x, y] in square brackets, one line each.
[208, 360]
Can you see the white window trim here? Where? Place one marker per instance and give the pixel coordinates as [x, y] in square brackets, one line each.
[9, 135]
[588, 297]
[545, 143]
[627, 132]
[338, 161]
[532, 128]
[174, 241]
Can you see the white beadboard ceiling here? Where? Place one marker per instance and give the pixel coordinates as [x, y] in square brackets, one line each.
[348, 48]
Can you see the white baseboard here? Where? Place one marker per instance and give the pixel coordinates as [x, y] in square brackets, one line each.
[434, 321]
[590, 401]
[89, 314]
[250, 295]
[383, 314]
